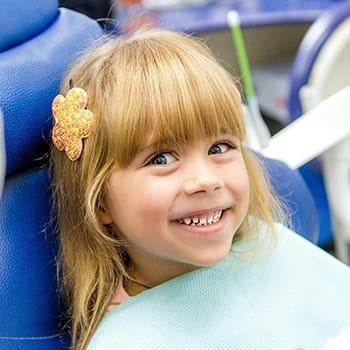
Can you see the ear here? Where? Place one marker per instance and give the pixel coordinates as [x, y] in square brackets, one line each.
[103, 215]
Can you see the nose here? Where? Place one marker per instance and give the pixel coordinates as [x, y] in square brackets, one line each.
[202, 178]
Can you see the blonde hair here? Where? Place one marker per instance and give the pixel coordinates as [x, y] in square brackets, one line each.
[159, 81]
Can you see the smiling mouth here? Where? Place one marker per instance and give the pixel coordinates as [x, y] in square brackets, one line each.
[202, 220]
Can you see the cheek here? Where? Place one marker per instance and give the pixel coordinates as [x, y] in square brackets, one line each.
[239, 183]
[153, 201]
[144, 201]
[240, 186]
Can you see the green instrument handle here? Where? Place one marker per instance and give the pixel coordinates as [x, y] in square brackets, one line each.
[234, 24]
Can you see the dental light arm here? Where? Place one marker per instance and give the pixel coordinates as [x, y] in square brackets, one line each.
[313, 133]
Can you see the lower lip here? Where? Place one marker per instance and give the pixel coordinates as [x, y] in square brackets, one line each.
[206, 230]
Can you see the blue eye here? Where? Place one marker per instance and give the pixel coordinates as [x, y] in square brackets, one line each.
[221, 147]
[162, 158]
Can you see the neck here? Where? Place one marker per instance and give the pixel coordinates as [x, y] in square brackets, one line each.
[134, 287]
[148, 270]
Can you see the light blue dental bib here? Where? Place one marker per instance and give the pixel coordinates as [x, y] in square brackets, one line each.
[293, 300]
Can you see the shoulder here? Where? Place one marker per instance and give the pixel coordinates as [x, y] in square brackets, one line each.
[295, 253]
[295, 267]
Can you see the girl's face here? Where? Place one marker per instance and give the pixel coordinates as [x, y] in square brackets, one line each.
[178, 209]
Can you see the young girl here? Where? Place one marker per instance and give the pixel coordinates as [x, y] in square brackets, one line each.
[158, 201]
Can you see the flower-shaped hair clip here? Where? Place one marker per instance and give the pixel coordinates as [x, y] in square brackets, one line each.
[72, 122]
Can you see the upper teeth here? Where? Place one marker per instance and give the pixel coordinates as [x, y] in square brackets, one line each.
[202, 220]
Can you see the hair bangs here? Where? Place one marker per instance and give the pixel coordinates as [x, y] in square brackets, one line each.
[170, 102]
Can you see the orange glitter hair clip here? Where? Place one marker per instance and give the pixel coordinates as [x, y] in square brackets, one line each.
[73, 122]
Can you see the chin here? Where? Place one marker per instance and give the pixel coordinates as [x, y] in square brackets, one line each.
[206, 260]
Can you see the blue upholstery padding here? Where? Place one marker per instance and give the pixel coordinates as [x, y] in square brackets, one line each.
[295, 195]
[308, 51]
[41, 41]
[27, 260]
[29, 79]
[314, 180]
[24, 20]
[53, 343]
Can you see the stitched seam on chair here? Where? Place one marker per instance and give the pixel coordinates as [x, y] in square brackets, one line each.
[31, 338]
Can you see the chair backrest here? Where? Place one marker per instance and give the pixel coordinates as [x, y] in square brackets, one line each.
[313, 46]
[2, 154]
[319, 34]
[293, 192]
[37, 43]
[320, 69]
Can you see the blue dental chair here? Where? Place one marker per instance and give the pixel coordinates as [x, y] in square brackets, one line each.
[37, 44]
[319, 70]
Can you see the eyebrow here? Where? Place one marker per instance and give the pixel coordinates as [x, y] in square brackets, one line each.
[161, 143]
[156, 145]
